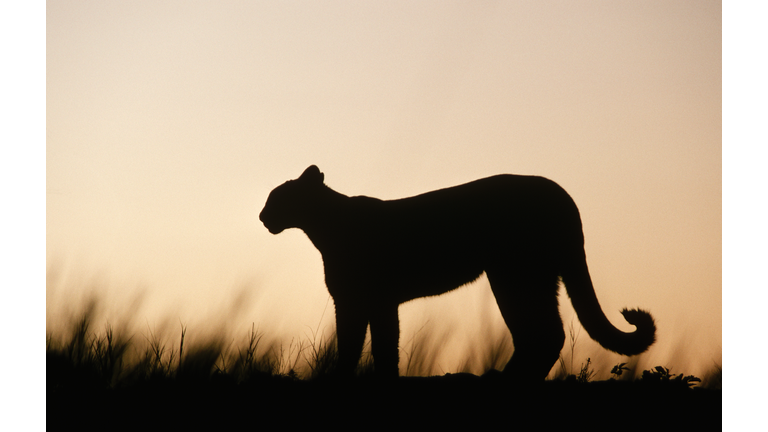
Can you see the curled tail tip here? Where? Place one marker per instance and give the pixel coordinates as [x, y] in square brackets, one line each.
[637, 316]
[646, 326]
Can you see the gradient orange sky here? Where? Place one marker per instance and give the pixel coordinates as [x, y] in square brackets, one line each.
[169, 122]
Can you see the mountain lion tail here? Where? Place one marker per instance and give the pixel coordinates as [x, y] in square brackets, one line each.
[579, 286]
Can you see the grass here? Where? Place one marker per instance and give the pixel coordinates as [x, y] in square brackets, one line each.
[103, 359]
[110, 360]
[585, 373]
[97, 375]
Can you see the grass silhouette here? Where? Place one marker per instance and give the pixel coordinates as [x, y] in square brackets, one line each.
[140, 378]
[113, 359]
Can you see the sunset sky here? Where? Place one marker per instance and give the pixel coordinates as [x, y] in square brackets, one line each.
[169, 122]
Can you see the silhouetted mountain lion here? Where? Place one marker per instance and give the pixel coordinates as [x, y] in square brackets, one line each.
[524, 232]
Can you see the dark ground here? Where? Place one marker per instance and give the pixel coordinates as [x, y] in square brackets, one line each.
[450, 401]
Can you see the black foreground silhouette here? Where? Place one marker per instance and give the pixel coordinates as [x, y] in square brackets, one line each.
[214, 402]
[524, 232]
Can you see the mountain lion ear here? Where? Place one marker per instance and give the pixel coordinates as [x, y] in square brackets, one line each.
[312, 174]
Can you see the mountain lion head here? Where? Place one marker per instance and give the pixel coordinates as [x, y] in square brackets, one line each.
[292, 202]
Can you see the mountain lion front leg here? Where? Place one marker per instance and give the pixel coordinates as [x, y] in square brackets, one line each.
[351, 324]
[385, 335]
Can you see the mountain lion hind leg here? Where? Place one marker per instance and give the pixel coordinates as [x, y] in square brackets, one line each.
[528, 302]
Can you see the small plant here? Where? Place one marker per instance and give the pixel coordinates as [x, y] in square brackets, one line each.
[323, 355]
[618, 370]
[415, 357]
[181, 344]
[565, 371]
[585, 374]
[245, 364]
[108, 353]
[288, 359]
[248, 364]
[155, 354]
[660, 374]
